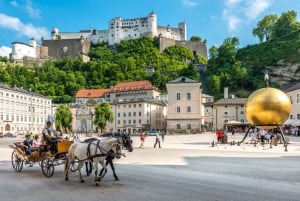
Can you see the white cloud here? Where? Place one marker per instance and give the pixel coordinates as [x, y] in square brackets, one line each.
[189, 3]
[233, 23]
[256, 7]
[237, 13]
[33, 12]
[28, 30]
[5, 51]
[14, 3]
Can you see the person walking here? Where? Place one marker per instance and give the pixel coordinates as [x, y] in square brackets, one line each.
[163, 133]
[142, 138]
[157, 140]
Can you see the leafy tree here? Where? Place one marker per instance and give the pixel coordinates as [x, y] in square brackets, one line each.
[103, 113]
[63, 117]
[264, 28]
[285, 24]
[196, 38]
[91, 101]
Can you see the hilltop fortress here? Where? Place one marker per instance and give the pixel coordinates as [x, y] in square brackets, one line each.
[125, 29]
[72, 44]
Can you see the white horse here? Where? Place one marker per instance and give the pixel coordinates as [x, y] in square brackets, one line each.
[95, 151]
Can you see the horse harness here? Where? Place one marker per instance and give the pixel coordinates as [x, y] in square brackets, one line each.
[104, 152]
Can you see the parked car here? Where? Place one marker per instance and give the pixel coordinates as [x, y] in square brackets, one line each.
[151, 133]
[111, 134]
[10, 134]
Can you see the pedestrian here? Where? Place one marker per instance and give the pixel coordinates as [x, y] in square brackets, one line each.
[142, 138]
[163, 133]
[220, 135]
[157, 140]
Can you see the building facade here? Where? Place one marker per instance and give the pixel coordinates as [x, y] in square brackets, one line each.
[293, 92]
[228, 109]
[185, 110]
[29, 54]
[136, 107]
[23, 111]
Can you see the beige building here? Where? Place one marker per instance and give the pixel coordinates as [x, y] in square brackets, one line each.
[136, 106]
[228, 109]
[293, 91]
[185, 111]
[23, 111]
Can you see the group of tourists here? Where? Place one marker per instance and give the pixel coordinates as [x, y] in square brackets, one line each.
[32, 141]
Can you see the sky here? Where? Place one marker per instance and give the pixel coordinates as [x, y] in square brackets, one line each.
[213, 20]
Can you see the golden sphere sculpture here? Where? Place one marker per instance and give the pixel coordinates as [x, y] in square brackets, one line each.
[267, 108]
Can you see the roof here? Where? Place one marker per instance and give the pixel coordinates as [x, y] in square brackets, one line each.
[91, 93]
[133, 86]
[183, 80]
[292, 87]
[230, 101]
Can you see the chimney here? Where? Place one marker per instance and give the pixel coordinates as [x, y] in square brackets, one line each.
[225, 92]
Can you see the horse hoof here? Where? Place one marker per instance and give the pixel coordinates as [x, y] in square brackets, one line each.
[66, 179]
[117, 179]
[97, 184]
[82, 181]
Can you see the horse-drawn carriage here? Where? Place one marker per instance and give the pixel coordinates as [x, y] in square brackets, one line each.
[41, 155]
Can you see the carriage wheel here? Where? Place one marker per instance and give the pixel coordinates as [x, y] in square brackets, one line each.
[73, 166]
[47, 167]
[16, 162]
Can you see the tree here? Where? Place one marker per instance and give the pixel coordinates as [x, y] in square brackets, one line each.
[285, 24]
[196, 38]
[63, 117]
[103, 113]
[264, 28]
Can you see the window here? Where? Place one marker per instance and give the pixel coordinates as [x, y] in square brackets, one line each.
[291, 99]
[188, 109]
[129, 114]
[118, 114]
[178, 126]
[188, 96]
[189, 126]
[178, 96]
[124, 114]
[226, 113]
[140, 114]
[298, 98]
[298, 116]
[134, 114]
[242, 112]
[178, 109]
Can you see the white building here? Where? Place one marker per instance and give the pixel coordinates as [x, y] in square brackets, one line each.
[29, 53]
[23, 111]
[185, 110]
[124, 29]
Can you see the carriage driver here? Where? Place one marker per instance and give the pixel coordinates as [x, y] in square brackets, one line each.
[50, 139]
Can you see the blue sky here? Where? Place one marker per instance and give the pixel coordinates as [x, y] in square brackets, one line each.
[213, 20]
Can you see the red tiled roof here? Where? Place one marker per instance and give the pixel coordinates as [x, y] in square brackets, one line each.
[91, 93]
[132, 86]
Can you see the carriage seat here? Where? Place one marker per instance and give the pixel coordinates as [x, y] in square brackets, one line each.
[18, 145]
